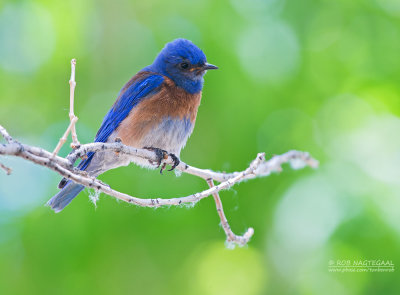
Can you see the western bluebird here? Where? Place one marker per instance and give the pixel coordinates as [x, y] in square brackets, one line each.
[156, 109]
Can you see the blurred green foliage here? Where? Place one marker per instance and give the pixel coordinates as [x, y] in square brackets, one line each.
[320, 76]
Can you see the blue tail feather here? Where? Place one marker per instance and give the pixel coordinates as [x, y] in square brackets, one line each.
[69, 189]
[65, 196]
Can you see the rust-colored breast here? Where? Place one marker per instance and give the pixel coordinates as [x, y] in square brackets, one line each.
[170, 102]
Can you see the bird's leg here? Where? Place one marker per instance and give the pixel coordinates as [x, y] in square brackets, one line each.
[161, 155]
[176, 161]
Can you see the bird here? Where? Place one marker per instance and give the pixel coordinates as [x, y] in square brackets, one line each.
[156, 110]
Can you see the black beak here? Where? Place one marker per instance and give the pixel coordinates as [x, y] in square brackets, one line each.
[208, 66]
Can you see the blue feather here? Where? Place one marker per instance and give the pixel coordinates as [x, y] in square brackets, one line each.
[65, 196]
[128, 99]
[174, 53]
[141, 86]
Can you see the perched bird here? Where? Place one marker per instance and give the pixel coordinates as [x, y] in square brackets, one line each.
[156, 110]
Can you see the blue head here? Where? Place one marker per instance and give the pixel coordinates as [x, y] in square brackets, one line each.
[184, 63]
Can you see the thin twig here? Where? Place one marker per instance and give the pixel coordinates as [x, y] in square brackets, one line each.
[230, 236]
[73, 119]
[5, 168]
[5, 135]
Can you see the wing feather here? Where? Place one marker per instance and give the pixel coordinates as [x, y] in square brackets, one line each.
[141, 86]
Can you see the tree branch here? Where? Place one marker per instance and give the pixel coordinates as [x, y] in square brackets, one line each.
[73, 119]
[230, 236]
[259, 167]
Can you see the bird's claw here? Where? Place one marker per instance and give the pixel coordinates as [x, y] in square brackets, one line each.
[163, 155]
[176, 161]
[163, 168]
[160, 154]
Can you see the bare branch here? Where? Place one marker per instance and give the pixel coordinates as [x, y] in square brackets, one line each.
[259, 167]
[65, 167]
[73, 119]
[296, 159]
[5, 168]
[6, 136]
[230, 236]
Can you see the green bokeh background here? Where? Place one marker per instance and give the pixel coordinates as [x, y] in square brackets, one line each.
[319, 76]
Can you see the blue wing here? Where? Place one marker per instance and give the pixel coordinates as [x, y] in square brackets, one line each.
[139, 87]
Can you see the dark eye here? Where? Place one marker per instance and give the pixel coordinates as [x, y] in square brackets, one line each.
[184, 65]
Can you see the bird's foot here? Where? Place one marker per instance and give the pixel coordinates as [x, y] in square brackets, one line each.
[176, 161]
[160, 154]
[163, 155]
